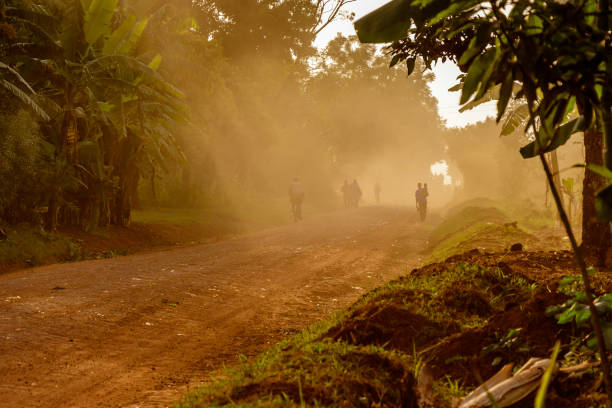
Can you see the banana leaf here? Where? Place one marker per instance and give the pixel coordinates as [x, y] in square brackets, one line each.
[388, 23]
[97, 19]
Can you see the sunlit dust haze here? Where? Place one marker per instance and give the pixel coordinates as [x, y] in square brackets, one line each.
[441, 169]
[275, 93]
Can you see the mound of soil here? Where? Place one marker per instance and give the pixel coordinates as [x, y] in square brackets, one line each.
[466, 300]
[389, 324]
[470, 355]
[517, 331]
[334, 387]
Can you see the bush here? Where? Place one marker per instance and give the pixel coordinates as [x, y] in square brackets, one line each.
[21, 190]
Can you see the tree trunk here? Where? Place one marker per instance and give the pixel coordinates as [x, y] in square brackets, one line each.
[51, 221]
[554, 166]
[596, 238]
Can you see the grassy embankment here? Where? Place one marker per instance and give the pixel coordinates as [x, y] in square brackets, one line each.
[150, 228]
[470, 314]
[157, 227]
[26, 246]
[491, 226]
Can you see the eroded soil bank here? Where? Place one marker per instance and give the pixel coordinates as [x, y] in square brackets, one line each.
[441, 329]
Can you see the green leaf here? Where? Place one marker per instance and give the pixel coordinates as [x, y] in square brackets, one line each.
[98, 18]
[454, 8]
[601, 170]
[120, 35]
[485, 81]
[478, 42]
[515, 119]
[475, 73]
[546, 378]
[560, 137]
[388, 23]
[582, 315]
[505, 93]
[410, 64]
[566, 316]
[534, 25]
[590, 8]
[456, 88]
[603, 204]
[155, 62]
[396, 58]
[127, 46]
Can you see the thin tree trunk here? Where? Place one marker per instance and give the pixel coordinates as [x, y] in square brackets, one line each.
[554, 166]
[596, 238]
[51, 221]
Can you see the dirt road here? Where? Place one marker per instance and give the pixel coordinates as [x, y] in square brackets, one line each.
[139, 331]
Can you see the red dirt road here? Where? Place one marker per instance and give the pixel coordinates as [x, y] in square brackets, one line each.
[138, 331]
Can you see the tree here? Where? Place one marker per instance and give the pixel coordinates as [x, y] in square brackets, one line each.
[104, 112]
[558, 52]
[18, 31]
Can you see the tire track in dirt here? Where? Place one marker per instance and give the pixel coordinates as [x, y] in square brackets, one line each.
[139, 331]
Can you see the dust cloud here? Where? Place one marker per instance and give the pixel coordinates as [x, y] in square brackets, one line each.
[266, 106]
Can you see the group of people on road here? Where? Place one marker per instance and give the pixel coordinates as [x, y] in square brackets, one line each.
[351, 192]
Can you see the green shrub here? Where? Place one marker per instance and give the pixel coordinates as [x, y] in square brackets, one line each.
[21, 189]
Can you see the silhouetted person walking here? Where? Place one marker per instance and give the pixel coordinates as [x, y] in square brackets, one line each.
[377, 192]
[296, 196]
[346, 194]
[356, 194]
[421, 200]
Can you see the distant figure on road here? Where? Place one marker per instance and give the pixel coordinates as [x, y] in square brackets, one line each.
[356, 194]
[296, 196]
[346, 194]
[420, 196]
[377, 192]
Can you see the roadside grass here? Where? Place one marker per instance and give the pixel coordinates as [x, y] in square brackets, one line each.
[487, 236]
[368, 355]
[27, 246]
[308, 370]
[491, 227]
[178, 215]
[247, 213]
[461, 219]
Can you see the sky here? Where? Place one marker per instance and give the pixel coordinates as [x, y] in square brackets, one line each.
[445, 74]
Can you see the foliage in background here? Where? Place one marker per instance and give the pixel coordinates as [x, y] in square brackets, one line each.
[22, 170]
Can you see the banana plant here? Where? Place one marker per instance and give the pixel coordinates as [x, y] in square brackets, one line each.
[16, 33]
[107, 101]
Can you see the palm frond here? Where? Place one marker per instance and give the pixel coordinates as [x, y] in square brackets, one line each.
[16, 74]
[25, 98]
